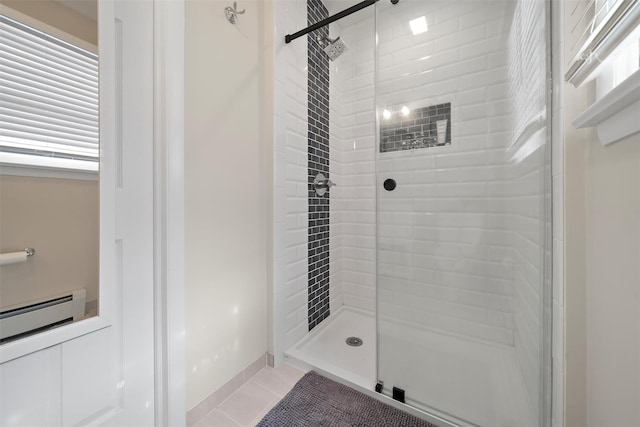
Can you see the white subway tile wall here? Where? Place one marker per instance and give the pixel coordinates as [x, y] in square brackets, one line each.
[290, 178]
[446, 243]
[336, 119]
[353, 145]
[460, 238]
[528, 94]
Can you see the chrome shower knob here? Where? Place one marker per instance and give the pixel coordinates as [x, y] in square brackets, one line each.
[322, 184]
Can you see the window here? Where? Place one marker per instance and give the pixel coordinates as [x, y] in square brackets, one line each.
[48, 100]
[598, 28]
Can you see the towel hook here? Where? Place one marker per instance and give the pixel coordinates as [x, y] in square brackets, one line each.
[233, 12]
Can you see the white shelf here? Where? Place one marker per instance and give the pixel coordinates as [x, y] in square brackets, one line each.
[617, 114]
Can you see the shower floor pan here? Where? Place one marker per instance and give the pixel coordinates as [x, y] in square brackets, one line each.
[477, 382]
[326, 349]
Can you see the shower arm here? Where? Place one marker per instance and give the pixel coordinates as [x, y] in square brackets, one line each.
[353, 9]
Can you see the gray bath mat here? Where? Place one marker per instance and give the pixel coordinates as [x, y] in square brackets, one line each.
[319, 401]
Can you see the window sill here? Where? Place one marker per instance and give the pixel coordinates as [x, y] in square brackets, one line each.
[42, 172]
[615, 115]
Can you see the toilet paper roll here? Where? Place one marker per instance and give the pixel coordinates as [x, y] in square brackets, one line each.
[13, 258]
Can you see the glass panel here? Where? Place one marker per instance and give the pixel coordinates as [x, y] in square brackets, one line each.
[462, 196]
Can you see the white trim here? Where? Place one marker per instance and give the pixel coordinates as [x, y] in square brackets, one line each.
[170, 394]
[615, 114]
[37, 172]
[32, 344]
[54, 163]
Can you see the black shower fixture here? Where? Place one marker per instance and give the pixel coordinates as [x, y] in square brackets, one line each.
[353, 9]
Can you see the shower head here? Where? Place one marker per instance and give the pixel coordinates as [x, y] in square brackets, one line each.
[333, 48]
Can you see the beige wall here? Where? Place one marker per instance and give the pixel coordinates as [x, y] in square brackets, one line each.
[613, 283]
[602, 273]
[58, 16]
[575, 145]
[60, 219]
[226, 190]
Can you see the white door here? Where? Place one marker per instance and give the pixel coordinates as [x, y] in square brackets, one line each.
[127, 68]
[101, 371]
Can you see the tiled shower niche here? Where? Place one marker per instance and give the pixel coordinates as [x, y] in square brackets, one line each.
[417, 129]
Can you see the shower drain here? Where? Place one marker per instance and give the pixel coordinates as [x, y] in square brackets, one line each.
[354, 341]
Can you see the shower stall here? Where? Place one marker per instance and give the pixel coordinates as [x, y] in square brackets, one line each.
[424, 273]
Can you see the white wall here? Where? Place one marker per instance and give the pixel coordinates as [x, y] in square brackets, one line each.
[226, 190]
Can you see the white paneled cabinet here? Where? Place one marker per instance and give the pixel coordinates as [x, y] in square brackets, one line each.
[64, 385]
[86, 376]
[30, 390]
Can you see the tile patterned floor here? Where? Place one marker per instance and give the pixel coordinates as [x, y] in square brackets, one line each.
[251, 402]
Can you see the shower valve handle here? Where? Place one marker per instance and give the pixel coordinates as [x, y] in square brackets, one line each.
[327, 183]
[322, 184]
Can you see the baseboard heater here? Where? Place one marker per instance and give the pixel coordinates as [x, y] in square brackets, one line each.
[35, 316]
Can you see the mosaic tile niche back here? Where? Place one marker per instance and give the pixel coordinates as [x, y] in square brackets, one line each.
[419, 128]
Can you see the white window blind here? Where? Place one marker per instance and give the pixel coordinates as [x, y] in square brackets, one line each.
[596, 28]
[48, 100]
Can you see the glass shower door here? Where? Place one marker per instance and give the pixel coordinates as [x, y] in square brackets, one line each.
[463, 174]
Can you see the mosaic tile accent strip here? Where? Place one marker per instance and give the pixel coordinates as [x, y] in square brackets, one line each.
[318, 155]
[417, 130]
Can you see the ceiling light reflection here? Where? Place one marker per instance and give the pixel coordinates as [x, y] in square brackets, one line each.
[418, 25]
